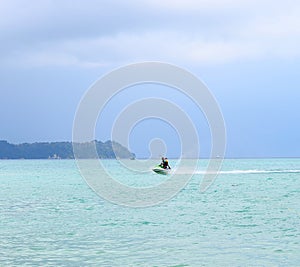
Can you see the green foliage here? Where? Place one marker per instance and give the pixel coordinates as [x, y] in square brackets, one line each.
[61, 150]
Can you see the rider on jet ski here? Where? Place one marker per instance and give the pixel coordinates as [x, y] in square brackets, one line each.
[164, 163]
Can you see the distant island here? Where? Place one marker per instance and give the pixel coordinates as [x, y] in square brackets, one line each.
[61, 150]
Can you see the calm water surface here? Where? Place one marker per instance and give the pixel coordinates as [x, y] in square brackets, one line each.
[250, 216]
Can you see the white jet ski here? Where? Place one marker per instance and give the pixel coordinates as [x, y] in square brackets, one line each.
[160, 170]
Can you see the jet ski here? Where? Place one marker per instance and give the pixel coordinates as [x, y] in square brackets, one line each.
[160, 170]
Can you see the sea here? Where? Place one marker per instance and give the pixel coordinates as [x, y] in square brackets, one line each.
[249, 216]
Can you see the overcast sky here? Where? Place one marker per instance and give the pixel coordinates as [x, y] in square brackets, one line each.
[246, 52]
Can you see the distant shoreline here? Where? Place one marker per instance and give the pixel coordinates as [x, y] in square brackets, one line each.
[63, 150]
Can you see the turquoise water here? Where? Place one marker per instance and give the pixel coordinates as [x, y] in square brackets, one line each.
[250, 216]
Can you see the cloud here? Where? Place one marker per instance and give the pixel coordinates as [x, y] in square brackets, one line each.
[50, 58]
[126, 48]
[196, 5]
[70, 33]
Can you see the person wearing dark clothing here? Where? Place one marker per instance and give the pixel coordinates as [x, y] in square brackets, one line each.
[165, 163]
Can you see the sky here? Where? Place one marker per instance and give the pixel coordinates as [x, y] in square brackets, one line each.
[246, 52]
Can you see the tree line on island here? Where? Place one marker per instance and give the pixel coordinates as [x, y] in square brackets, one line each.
[63, 150]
